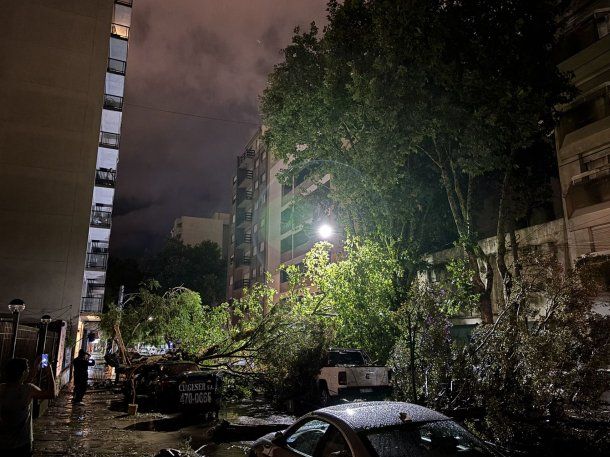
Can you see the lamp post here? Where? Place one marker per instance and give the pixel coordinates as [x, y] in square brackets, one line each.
[16, 306]
[45, 321]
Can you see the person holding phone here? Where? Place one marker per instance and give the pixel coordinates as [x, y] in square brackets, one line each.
[81, 366]
[16, 398]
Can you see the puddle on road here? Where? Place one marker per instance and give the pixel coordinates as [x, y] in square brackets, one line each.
[238, 449]
[251, 414]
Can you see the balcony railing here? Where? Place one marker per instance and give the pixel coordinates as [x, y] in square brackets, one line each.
[244, 177]
[124, 2]
[241, 284]
[243, 196]
[105, 177]
[101, 217]
[245, 260]
[116, 66]
[97, 261]
[113, 102]
[243, 217]
[110, 140]
[99, 247]
[119, 31]
[246, 157]
[92, 304]
[244, 238]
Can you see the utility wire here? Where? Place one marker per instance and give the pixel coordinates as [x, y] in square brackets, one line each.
[200, 116]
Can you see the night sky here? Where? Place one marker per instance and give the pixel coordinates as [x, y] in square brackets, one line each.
[205, 57]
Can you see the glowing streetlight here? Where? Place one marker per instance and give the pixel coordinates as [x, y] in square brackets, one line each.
[325, 231]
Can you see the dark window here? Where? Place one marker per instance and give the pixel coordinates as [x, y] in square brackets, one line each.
[286, 224]
[286, 245]
[300, 238]
[442, 438]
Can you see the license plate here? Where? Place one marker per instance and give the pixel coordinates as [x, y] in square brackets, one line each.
[366, 391]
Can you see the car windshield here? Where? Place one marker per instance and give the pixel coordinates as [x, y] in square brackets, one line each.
[345, 358]
[428, 439]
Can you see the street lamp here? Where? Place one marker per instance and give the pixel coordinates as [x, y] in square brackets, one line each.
[45, 321]
[325, 231]
[16, 306]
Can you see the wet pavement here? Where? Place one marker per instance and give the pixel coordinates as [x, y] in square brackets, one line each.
[102, 428]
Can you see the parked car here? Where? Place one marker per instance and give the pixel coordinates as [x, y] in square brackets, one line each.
[350, 374]
[178, 386]
[373, 429]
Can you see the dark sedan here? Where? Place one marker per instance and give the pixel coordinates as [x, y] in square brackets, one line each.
[373, 429]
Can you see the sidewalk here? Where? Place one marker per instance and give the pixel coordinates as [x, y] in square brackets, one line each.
[102, 428]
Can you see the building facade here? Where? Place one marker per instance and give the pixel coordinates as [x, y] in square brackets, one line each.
[62, 78]
[274, 220]
[107, 160]
[194, 230]
[248, 249]
[583, 134]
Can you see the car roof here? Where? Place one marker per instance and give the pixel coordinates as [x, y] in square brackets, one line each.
[361, 416]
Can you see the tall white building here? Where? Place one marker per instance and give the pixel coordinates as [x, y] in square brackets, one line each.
[94, 279]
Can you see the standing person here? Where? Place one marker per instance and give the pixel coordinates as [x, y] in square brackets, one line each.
[16, 398]
[81, 366]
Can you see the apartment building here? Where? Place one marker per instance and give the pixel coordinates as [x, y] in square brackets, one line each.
[247, 251]
[583, 134]
[62, 79]
[107, 159]
[273, 222]
[195, 230]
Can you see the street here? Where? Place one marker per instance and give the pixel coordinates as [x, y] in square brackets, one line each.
[102, 428]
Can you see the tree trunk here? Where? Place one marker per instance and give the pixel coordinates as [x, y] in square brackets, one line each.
[505, 274]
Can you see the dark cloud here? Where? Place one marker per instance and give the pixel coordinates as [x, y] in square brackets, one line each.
[207, 58]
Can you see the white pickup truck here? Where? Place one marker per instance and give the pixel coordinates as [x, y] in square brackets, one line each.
[349, 374]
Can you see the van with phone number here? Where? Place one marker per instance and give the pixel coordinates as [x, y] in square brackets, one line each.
[178, 386]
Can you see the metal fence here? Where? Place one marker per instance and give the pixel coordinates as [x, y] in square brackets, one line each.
[28, 345]
[27, 342]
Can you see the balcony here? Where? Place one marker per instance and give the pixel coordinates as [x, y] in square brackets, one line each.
[124, 2]
[110, 140]
[243, 197]
[101, 216]
[97, 261]
[119, 31]
[241, 284]
[105, 177]
[113, 102]
[243, 239]
[243, 261]
[116, 66]
[246, 158]
[92, 304]
[244, 177]
[588, 189]
[243, 218]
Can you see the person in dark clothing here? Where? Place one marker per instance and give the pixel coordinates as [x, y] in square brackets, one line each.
[81, 366]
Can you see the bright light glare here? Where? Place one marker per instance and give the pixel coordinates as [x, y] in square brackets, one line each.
[325, 231]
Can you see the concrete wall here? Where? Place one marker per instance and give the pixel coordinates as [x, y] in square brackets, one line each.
[53, 57]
